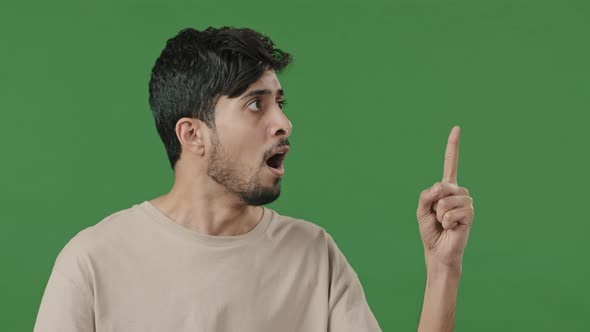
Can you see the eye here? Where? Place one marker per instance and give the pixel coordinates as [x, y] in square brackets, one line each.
[282, 103]
[254, 102]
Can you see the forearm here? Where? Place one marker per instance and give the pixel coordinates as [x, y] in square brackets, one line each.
[440, 298]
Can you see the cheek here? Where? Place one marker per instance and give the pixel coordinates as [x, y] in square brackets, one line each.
[245, 145]
[246, 155]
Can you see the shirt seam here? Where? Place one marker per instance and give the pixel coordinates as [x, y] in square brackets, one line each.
[155, 217]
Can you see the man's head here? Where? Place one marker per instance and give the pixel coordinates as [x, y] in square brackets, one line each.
[217, 105]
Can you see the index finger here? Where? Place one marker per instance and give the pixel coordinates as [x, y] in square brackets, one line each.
[452, 156]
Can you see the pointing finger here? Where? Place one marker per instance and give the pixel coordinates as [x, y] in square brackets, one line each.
[452, 156]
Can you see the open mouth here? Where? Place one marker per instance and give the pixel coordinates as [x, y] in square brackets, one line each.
[276, 160]
[275, 163]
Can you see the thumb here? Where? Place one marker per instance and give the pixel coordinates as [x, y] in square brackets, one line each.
[427, 197]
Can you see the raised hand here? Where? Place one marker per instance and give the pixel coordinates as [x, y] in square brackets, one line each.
[445, 213]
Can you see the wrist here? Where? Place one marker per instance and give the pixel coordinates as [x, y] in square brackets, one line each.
[448, 269]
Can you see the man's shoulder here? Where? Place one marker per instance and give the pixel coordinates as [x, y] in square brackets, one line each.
[101, 233]
[296, 228]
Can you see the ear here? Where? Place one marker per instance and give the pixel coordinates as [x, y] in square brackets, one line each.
[192, 134]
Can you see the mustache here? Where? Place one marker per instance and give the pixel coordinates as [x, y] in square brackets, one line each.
[281, 143]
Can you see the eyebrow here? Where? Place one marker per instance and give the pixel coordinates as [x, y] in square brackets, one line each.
[261, 92]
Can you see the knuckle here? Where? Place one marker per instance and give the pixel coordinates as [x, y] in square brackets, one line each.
[449, 216]
[464, 191]
[424, 194]
[442, 204]
[439, 187]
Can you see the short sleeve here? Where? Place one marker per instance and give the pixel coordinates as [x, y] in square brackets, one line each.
[348, 307]
[67, 303]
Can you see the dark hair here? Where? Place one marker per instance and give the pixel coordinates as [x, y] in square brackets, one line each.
[197, 67]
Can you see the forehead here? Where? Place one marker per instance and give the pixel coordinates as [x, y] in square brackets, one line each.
[268, 80]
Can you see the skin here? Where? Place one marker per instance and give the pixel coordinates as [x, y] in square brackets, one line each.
[445, 215]
[221, 179]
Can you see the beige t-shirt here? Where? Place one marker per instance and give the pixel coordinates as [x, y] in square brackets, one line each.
[138, 271]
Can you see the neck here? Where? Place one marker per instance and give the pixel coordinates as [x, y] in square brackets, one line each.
[206, 207]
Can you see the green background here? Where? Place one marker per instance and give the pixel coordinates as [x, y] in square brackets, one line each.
[374, 89]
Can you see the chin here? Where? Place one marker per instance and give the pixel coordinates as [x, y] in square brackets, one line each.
[262, 196]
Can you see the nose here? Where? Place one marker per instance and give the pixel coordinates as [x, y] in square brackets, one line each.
[280, 125]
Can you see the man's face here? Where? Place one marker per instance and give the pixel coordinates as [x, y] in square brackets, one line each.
[248, 129]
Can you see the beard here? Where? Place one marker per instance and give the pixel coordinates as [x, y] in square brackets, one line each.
[226, 171]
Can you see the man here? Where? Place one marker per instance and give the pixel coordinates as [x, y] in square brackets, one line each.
[208, 255]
